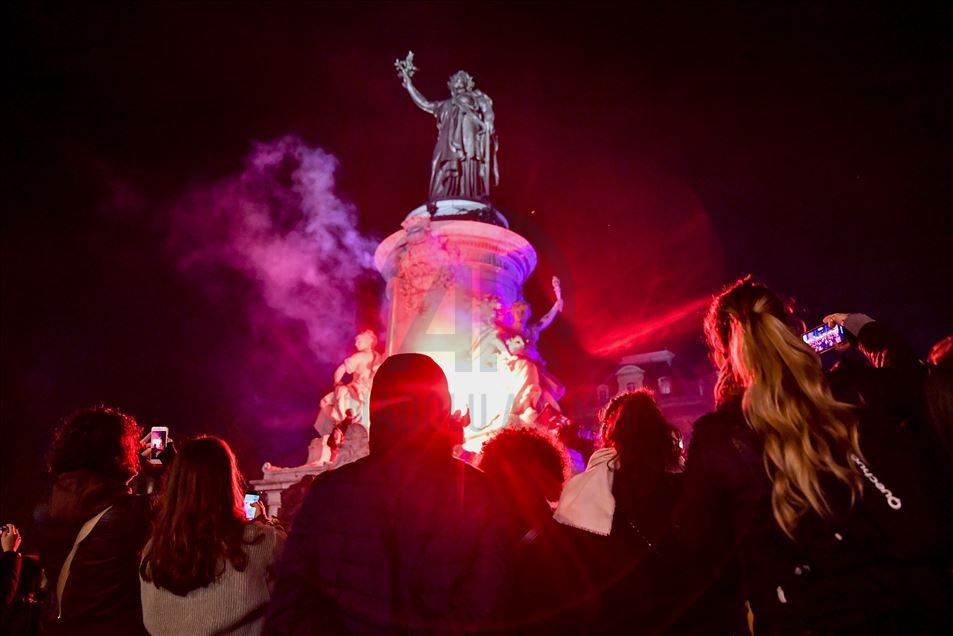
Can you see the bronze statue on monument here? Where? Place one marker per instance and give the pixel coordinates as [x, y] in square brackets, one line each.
[440, 253]
[464, 164]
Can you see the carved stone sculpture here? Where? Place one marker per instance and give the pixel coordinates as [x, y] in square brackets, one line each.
[352, 396]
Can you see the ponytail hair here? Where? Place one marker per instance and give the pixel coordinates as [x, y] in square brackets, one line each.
[807, 435]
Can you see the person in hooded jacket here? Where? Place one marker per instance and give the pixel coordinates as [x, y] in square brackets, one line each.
[405, 540]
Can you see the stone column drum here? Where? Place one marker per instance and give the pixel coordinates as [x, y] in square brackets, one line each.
[437, 271]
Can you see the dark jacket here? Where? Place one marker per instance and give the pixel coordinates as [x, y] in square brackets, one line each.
[545, 579]
[9, 577]
[641, 520]
[22, 611]
[915, 396]
[891, 383]
[395, 544]
[102, 592]
[874, 569]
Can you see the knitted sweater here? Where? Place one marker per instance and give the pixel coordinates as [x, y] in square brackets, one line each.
[233, 604]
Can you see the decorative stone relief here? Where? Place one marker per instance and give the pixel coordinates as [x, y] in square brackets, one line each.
[426, 264]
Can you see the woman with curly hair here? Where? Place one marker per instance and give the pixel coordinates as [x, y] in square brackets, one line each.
[206, 568]
[95, 527]
[526, 469]
[619, 509]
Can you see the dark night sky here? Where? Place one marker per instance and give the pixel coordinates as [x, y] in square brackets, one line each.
[651, 157]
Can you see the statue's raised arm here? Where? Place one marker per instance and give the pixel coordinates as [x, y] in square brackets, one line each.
[405, 70]
[557, 307]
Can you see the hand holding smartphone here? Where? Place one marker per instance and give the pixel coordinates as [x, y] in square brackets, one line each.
[251, 498]
[825, 337]
[158, 438]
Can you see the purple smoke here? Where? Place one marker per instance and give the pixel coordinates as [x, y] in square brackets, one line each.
[294, 246]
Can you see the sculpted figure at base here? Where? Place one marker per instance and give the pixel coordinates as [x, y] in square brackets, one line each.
[489, 345]
[535, 387]
[352, 396]
[464, 157]
[348, 441]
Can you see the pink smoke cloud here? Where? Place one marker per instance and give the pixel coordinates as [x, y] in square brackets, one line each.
[279, 227]
[280, 223]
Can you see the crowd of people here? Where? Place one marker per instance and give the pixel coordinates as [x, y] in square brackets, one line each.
[809, 503]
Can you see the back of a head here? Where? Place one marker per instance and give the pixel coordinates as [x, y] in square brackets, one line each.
[786, 399]
[409, 406]
[647, 445]
[201, 520]
[102, 440]
[525, 464]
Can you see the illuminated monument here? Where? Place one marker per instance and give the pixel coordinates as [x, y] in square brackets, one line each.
[455, 270]
[455, 275]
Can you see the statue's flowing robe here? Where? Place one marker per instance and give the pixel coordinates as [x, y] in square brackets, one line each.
[460, 157]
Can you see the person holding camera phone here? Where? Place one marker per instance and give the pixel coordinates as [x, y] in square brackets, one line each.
[835, 516]
[9, 564]
[207, 567]
[94, 527]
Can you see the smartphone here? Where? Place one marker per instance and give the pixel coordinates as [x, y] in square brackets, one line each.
[251, 498]
[824, 338]
[158, 437]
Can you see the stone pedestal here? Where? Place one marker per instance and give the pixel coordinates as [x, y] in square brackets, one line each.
[274, 481]
[437, 269]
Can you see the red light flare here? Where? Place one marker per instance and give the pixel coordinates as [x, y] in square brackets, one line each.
[630, 336]
[639, 258]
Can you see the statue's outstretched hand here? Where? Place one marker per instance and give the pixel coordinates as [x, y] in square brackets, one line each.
[557, 287]
[405, 68]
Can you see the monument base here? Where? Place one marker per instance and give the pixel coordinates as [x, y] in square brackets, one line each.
[442, 271]
[276, 480]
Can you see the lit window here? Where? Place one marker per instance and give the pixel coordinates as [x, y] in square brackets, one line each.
[665, 385]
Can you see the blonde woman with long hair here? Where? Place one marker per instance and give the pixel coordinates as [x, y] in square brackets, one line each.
[826, 504]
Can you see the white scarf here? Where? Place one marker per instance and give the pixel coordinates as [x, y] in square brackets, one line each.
[587, 502]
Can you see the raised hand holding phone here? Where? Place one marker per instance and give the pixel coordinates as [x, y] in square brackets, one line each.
[825, 337]
[158, 439]
[254, 506]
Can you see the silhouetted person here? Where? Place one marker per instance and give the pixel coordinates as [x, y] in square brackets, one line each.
[405, 540]
[938, 396]
[526, 469]
[94, 528]
[20, 609]
[10, 562]
[914, 395]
